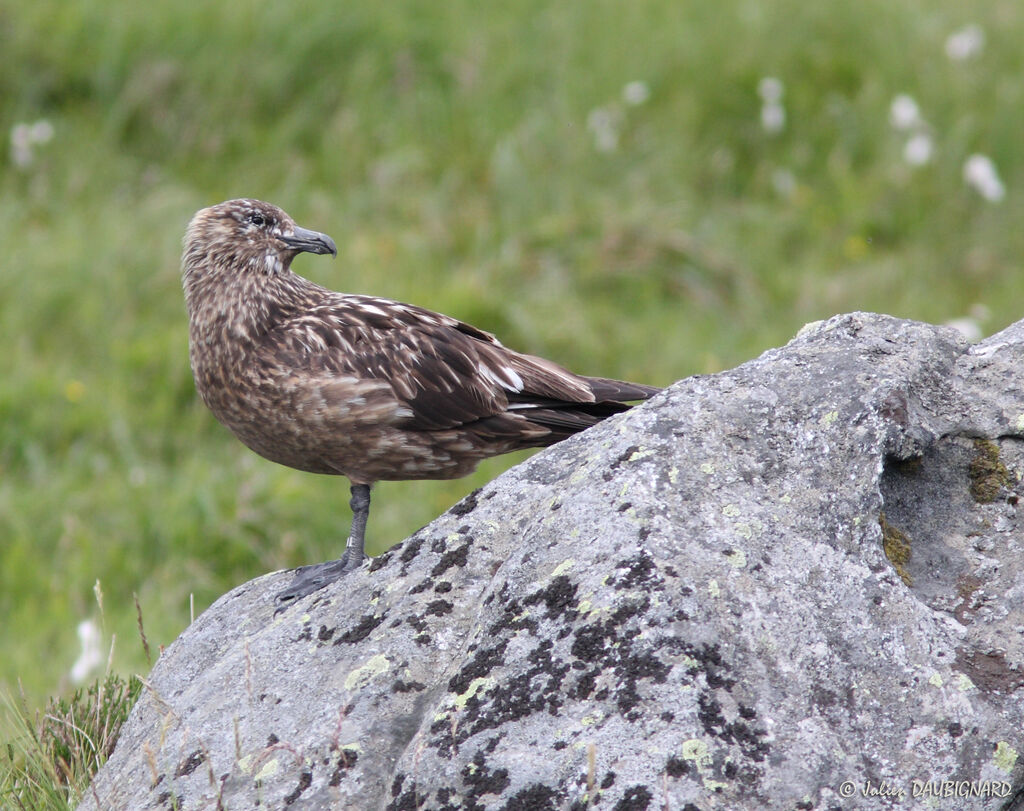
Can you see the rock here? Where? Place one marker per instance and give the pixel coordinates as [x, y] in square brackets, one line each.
[795, 585]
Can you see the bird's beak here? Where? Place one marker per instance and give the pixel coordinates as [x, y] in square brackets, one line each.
[302, 239]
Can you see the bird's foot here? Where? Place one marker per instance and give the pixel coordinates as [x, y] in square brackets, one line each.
[309, 579]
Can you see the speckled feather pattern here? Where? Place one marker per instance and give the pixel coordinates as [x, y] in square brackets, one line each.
[356, 385]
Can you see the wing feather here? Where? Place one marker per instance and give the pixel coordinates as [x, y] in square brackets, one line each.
[443, 373]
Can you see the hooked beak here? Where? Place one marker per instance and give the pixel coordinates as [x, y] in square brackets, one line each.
[302, 239]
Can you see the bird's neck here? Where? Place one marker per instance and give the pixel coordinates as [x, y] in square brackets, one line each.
[233, 308]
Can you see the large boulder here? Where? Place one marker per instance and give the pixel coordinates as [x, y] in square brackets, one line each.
[795, 585]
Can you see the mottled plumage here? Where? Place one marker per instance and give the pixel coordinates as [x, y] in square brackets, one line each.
[365, 387]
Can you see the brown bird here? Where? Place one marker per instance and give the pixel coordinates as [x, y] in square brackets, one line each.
[354, 385]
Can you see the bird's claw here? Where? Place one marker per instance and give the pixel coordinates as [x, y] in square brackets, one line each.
[308, 579]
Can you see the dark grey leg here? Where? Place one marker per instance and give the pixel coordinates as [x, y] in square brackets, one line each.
[308, 579]
[360, 504]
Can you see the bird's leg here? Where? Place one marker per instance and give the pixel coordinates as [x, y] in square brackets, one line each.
[308, 579]
[360, 505]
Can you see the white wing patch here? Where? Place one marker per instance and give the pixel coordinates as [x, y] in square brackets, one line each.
[371, 308]
[504, 376]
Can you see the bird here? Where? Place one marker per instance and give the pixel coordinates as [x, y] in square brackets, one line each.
[355, 385]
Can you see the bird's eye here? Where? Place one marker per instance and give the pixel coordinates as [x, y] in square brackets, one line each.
[257, 219]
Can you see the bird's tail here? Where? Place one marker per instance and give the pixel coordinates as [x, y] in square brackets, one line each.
[566, 417]
[619, 391]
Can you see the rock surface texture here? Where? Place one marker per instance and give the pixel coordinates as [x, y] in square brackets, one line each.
[795, 585]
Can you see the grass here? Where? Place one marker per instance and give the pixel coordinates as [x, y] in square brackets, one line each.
[446, 148]
[51, 759]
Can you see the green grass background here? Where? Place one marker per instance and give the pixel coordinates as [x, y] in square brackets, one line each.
[445, 147]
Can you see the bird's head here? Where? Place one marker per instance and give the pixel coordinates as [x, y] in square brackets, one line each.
[248, 236]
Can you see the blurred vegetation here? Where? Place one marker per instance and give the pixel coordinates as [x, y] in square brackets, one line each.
[486, 160]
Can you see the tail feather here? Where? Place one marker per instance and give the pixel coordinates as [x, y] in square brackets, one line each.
[566, 417]
[606, 390]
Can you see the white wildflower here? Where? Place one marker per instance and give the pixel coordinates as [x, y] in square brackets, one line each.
[969, 328]
[91, 657]
[773, 114]
[918, 149]
[965, 43]
[635, 93]
[21, 146]
[770, 90]
[980, 173]
[904, 113]
[25, 137]
[41, 132]
[784, 183]
[979, 312]
[773, 118]
[604, 126]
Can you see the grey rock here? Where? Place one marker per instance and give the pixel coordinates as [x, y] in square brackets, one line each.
[794, 585]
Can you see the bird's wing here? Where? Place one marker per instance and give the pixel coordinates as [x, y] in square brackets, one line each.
[441, 372]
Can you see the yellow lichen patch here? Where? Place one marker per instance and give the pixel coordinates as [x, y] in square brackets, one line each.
[896, 546]
[1005, 757]
[963, 683]
[475, 686]
[250, 762]
[808, 328]
[696, 750]
[269, 768]
[361, 675]
[987, 473]
[563, 567]
[592, 719]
